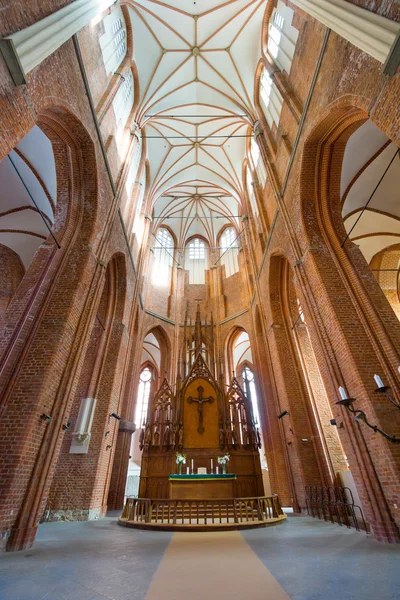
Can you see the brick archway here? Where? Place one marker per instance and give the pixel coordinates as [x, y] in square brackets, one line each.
[45, 334]
[358, 331]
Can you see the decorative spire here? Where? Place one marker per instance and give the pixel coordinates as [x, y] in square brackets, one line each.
[197, 330]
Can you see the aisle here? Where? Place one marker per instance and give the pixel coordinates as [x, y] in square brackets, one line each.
[202, 566]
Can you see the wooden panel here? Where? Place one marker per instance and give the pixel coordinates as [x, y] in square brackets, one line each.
[192, 438]
[202, 490]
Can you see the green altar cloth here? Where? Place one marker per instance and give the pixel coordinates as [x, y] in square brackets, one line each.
[199, 476]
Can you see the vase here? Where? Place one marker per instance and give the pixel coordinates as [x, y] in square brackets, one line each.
[223, 469]
[179, 468]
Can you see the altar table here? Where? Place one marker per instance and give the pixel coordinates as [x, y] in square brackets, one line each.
[202, 487]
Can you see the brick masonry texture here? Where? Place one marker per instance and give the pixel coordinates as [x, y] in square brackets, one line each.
[72, 325]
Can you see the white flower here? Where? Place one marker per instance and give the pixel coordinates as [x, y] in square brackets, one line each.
[223, 460]
[180, 459]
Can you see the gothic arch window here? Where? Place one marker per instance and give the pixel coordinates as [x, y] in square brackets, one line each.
[142, 190]
[163, 258]
[250, 391]
[242, 359]
[250, 191]
[270, 99]
[282, 36]
[131, 178]
[257, 161]
[229, 249]
[123, 100]
[138, 223]
[113, 41]
[143, 395]
[196, 260]
[191, 353]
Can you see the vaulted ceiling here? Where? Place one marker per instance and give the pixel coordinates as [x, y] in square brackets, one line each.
[196, 62]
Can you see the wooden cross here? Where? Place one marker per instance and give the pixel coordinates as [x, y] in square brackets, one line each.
[200, 401]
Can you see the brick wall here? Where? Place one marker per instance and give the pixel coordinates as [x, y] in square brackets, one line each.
[50, 340]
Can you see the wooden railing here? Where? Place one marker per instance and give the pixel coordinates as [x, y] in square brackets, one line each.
[261, 509]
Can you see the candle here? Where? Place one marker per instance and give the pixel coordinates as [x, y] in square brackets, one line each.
[217, 470]
[212, 466]
[192, 467]
[187, 470]
[342, 393]
[379, 381]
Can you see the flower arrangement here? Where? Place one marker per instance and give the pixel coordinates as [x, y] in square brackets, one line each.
[223, 461]
[180, 460]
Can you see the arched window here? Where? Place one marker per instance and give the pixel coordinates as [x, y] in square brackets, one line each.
[142, 403]
[250, 192]
[130, 180]
[197, 249]
[229, 251]
[196, 260]
[142, 185]
[270, 99]
[282, 36]
[191, 353]
[242, 359]
[163, 257]
[251, 392]
[258, 162]
[113, 41]
[123, 100]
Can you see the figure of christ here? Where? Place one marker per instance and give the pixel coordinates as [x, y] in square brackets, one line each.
[200, 400]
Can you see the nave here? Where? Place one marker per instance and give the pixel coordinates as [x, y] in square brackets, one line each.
[301, 559]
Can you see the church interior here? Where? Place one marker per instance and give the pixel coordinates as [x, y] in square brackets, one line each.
[199, 299]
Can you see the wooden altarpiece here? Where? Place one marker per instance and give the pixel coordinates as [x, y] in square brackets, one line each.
[202, 421]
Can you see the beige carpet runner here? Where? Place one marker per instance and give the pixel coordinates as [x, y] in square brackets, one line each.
[212, 565]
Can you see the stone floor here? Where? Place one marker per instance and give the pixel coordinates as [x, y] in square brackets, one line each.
[302, 559]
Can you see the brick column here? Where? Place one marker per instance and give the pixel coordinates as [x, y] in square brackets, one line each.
[116, 493]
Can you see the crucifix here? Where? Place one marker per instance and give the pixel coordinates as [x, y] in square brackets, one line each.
[200, 401]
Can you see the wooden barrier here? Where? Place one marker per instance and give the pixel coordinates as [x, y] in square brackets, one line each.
[201, 515]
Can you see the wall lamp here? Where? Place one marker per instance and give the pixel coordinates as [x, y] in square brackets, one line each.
[115, 416]
[384, 389]
[283, 414]
[334, 423]
[360, 416]
[66, 426]
[45, 418]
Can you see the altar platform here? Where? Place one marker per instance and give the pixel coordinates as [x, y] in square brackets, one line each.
[202, 515]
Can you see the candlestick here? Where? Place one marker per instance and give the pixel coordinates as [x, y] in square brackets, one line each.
[342, 393]
[379, 381]
[192, 466]
[212, 466]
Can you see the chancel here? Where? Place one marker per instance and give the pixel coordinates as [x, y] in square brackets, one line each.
[219, 419]
[199, 299]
